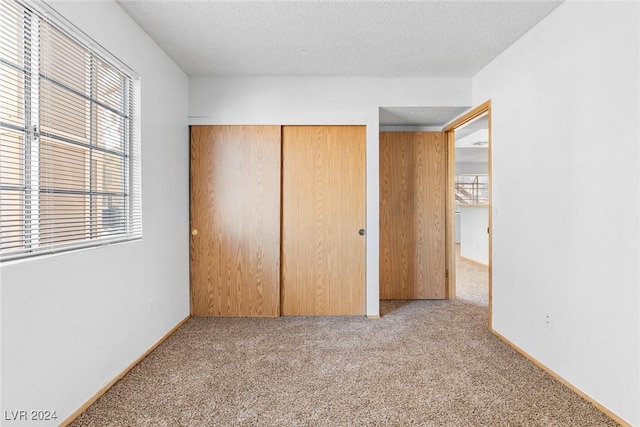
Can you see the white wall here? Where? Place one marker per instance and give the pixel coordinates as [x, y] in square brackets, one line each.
[467, 168]
[474, 240]
[565, 102]
[325, 100]
[72, 322]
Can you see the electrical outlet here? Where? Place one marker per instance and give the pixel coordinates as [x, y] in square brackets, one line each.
[548, 320]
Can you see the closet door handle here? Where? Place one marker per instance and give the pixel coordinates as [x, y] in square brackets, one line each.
[361, 232]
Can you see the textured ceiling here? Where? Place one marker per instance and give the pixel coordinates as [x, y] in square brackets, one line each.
[419, 116]
[336, 38]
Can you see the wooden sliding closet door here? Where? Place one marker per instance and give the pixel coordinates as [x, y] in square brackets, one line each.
[323, 209]
[412, 215]
[235, 221]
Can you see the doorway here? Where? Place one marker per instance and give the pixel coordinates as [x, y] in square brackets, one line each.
[447, 120]
[471, 192]
[469, 214]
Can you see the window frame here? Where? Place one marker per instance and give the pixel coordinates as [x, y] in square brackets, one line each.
[35, 16]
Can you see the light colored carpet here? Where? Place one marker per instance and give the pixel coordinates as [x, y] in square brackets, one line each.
[424, 363]
[472, 281]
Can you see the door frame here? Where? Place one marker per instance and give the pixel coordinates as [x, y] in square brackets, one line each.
[449, 129]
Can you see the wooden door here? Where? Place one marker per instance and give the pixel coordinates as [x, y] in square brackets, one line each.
[412, 215]
[323, 209]
[235, 221]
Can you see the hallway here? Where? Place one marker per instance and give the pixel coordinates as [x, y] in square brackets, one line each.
[472, 281]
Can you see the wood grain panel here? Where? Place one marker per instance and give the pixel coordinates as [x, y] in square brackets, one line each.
[235, 208]
[412, 215]
[323, 208]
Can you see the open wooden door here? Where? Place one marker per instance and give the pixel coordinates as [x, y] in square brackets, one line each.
[235, 221]
[323, 211]
[413, 171]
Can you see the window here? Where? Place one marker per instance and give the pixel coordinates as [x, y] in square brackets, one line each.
[69, 158]
[472, 190]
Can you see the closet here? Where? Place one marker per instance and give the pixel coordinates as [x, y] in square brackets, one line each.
[277, 220]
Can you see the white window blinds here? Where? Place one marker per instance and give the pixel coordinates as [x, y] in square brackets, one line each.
[69, 151]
